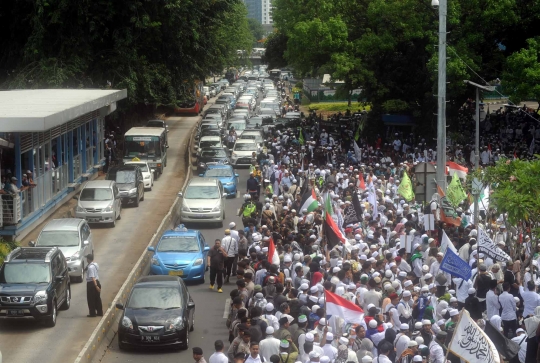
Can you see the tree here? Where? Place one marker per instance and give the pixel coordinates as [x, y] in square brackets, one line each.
[274, 55]
[256, 29]
[521, 78]
[515, 193]
[153, 49]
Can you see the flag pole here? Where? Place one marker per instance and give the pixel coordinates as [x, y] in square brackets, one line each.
[454, 333]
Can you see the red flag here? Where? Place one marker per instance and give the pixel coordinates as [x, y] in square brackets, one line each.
[332, 232]
[345, 309]
[489, 147]
[361, 183]
[273, 257]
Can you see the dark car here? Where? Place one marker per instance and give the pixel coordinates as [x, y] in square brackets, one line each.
[211, 156]
[130, 183]
[158, 312]
[157, 123]
[34, 284]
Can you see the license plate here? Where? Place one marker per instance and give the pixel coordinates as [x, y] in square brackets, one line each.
[199, 215]
[15, 312]
[93, 219]
[176, 273]
[150, 338]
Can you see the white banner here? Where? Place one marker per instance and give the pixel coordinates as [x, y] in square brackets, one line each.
[486, 246]
[471, 344]
[372, 198]
[445, 243]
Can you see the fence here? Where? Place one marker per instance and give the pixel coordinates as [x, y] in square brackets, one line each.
[89, 158]
[77, 166]
[47, 185]
[11, 209]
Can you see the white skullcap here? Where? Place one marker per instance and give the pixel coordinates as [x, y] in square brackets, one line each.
[269, 330]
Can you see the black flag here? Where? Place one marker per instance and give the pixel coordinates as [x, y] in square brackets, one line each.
[506, 347]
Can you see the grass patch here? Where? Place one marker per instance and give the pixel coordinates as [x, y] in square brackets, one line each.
[338, 106]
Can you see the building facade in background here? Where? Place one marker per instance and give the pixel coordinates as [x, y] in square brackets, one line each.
[260, 10]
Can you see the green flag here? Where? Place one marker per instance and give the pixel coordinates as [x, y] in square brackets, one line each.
[405, 188]
[359, 129]
[301, 138]
[455, 192]
[329, 210]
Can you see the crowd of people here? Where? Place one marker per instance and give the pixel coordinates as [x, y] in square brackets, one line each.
[283, 261]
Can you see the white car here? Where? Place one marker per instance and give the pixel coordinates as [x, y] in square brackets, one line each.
[242, 151]
[147, 172]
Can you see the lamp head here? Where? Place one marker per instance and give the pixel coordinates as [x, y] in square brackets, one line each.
[435, 3]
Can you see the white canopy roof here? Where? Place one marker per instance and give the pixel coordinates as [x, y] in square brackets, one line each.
[43, 109]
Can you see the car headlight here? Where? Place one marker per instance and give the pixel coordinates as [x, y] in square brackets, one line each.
[174, 324]
[229, 183]
[133, 191]
[185, 209]
[202, 165]
[126, 323]
[80, 209]
[147, 176]
[109, 208]
[155, 261]
[234, 155]
[76, 256]
[198, 262]
[216, 208]
[40, 298]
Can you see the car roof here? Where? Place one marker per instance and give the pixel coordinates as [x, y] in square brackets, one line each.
[180, 232]
[125, 167]
[23, 254]
[158, 280]
[63, 224]
[208, 167]
[203, 182]
[145, 131]
[245, 141]
[160, 121]
[140, 162]
[99, 184]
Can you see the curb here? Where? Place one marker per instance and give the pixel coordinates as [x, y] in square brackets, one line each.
[104, 333]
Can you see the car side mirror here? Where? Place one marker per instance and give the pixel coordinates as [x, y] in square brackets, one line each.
[236, 175]
[59, 278]
[167, 146]
[32, 243]
[206, 248]
[152, 170]
[86, 243]
[76, 197]
[180, 194]
[151, 249]
[224, 195]
[190, 304]
[119, 306]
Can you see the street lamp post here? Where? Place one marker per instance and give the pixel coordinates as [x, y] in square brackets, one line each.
[441, 95]
[478, 87]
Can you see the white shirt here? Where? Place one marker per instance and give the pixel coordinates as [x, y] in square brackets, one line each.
[381, 359]
[272, 321]
[462, 292]
[250, 359]
[230, 245]
[92, 272]
[508, 306]
[330, 351]
[530, 301]
[218, 357]
[268, 347]
[436, 354]
[492, 303]
[522, 341]
[234, 234]
[401, 343]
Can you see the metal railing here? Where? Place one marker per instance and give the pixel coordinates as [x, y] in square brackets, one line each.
[89, 158]
[11, 209]
[77, 166]
[47, 186]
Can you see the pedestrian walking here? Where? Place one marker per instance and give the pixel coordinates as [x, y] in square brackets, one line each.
[198, 355]
[216, 261]
[218, 356]
[93, 288]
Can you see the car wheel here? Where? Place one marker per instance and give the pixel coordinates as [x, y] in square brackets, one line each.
[113, 224]
[142, 198]
[121, 345]
[119, 217]
[137, 201]
[80, 278]
[67, 302]
[51, 320]
[192, 323]
[185, 344]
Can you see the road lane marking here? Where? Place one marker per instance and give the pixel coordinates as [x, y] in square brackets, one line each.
[226, 310]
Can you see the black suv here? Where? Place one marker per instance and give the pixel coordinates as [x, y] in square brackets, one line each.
[34, 283]
[130, 183]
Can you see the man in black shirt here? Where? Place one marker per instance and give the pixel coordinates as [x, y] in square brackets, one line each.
[216, 261]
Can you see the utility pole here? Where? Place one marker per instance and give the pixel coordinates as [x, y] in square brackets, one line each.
[441, 98]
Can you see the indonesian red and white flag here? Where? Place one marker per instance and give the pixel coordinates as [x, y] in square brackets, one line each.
[273, 257]
[345, 309]
[456, 168]
[360, 183]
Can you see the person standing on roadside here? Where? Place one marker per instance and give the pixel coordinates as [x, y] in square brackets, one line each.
[93, 288]
[216, 261]
[231, 248]
[218, 356]
[198, 355]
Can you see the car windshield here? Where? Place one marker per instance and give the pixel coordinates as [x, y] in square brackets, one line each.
[58, 238]
[245, 147]
[155, 124]
[211, 143]
[25, 273]
[178, 244]
[96, 194]
[155, 297]
[218, 172]
[125, 177]
[237, 126]
[202, 192]
[250, 137]
[142, 146]
[214, 154]
[144, 167]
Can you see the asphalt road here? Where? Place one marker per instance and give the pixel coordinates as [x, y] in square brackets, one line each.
[209, 305]
[116, 251]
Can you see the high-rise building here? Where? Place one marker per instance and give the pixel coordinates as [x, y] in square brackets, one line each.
[260, 10]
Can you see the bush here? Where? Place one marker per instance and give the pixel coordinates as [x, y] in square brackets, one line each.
[305, 101]
[299, 84]
[5, 248]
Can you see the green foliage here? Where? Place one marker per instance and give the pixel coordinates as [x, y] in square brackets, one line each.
[274, 55]
[154, 49]
[299, 85]
[256, 29]
[338, 106]
[5, 248]
[521, 78]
